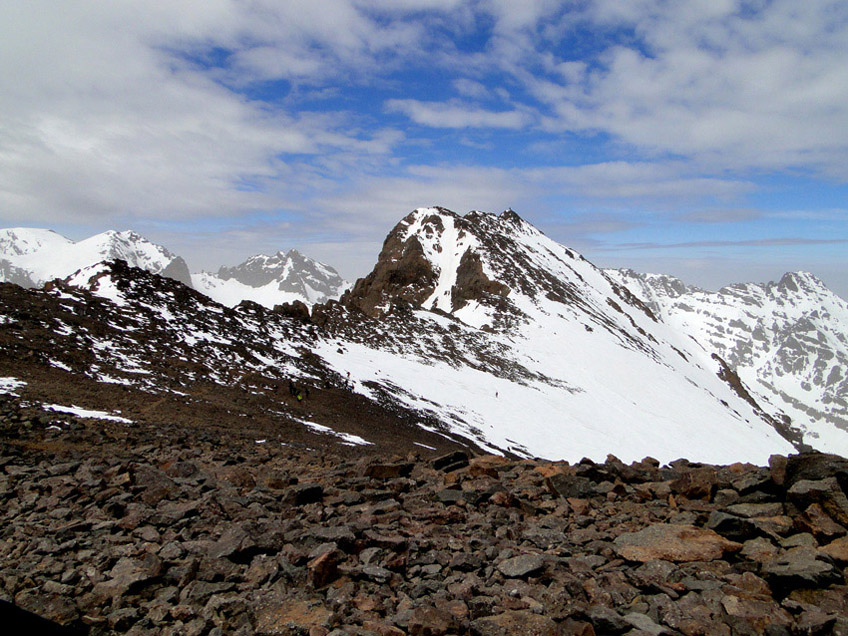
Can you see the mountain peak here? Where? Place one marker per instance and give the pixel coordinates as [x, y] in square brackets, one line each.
[272, 280]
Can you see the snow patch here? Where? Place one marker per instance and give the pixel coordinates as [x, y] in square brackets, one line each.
[87, 413]
[348, 439]
[10, 386]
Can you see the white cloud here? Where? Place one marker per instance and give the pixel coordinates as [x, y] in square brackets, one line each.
[764, 89]
[104, 117]
[456, 115]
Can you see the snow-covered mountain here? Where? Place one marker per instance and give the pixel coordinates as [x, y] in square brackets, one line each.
[272, 280]
[788, 341]
[521, 344]
[30, 257]
[475, 328]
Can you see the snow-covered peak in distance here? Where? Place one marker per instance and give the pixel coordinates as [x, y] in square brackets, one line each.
[787, 340]
[273, 280]
[20, 241]
[44, 255]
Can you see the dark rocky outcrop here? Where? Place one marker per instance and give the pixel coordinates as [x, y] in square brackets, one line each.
[177, 269]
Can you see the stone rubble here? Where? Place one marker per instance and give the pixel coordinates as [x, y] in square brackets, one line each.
[159, 534]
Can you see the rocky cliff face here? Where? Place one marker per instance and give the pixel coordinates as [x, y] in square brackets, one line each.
[416, 258]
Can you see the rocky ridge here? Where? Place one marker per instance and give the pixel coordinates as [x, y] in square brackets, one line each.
[109, 528]
[291, 272]
[31, 257]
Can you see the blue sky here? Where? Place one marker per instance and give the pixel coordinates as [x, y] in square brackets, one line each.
[708, 139]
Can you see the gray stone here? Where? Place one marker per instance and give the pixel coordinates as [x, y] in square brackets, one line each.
[801, 568]
[376, 573]
[521, 566]
[645, 624]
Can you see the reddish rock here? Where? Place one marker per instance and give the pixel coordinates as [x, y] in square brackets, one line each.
[290, 616]
[837, 549]
[323, 569]
[818, 523]
[777, 469]
[672, 542]
[382, 629]
[429, 621]
[699, 483]
[516, 622]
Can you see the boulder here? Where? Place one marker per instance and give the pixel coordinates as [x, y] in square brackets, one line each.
[801, 568]
[673, 542]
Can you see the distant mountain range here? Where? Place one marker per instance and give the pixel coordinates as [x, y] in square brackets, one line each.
[30, 257]
[788, 341]
[475, 328]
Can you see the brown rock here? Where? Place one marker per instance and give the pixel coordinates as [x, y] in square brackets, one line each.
[516, 622]
[826, 492]
[571, 627]
[322, 569]
[777, 468]
[757, 611]
[699, 483]
[778, 525]
[818, 523]
[429, 621]
[388, 471]
[837, 549]
[759, 549]
[672, 542]
[156, 484]
[290, 617]
[129, 574]
[383, 629]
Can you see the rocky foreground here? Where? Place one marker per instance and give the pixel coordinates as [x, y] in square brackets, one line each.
[108, 528]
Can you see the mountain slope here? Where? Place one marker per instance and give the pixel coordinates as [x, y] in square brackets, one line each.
[788, 341]
[272, 280]
[545, 353]
[33, 256]
[123, 342]
[475, 330]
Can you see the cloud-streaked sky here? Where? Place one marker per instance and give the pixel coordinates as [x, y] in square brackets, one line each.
[704, 138]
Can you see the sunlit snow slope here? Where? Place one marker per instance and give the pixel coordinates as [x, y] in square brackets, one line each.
[530, 348]
[788, 341]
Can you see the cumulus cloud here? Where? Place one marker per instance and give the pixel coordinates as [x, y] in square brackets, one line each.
[724, 83]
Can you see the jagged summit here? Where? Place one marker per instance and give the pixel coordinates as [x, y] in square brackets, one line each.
[577, 350]
[273, 279]
[474, 266]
